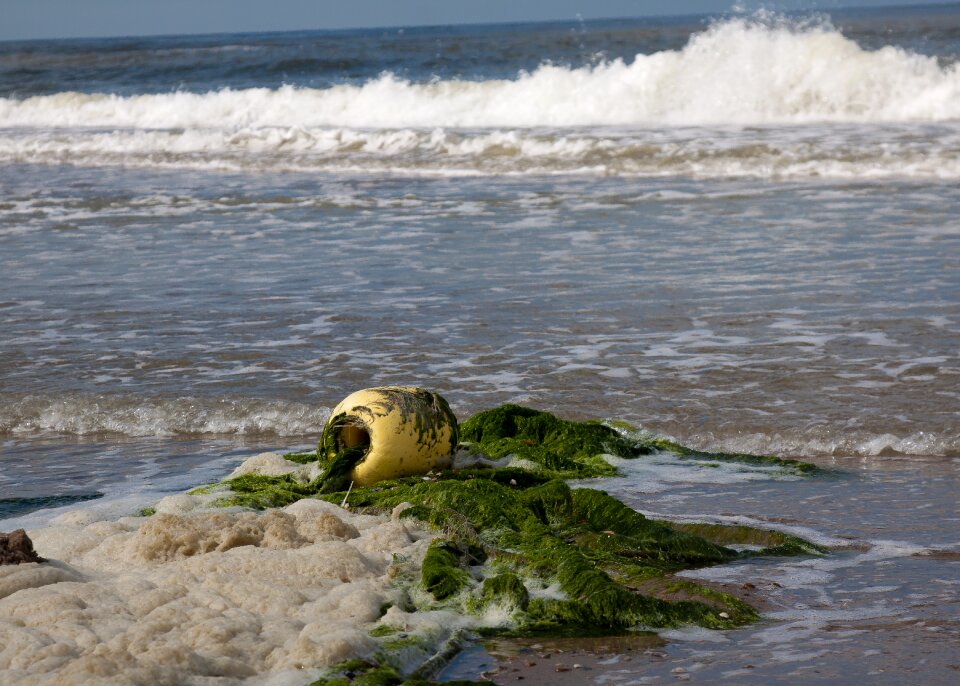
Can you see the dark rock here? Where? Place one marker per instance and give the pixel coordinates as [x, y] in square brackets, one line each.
[16, 548]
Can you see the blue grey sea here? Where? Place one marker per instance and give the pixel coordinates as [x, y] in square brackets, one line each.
[739, 231]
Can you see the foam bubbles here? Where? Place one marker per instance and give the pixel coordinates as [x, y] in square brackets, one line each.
[170, 599]
[555, 119]
[739, 71]
[829, 442]
[138, 416]
[265, 464]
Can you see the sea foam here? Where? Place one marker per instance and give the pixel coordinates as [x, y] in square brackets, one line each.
[740, 71]
[137, 416]
[193, 593]
[607, 118]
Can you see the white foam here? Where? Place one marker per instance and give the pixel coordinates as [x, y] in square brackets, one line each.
[138, 416]
[740, 71]
[177, 598]
[808, 151]
[829, 441]
[661, 471]
[274, 464]
[555, 119]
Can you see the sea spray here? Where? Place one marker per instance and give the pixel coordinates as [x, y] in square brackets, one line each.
[622, 117]
[738, 71]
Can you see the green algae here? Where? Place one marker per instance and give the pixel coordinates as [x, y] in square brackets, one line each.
[302, 457]
[570, 449]
[258, 491]
[506, 590]
[383, 630]
[612, 565]
[443, 574]
[207, 488]
[767, 541]
[567, 449]
[361, 673]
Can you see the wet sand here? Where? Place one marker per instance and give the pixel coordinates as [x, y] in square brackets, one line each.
[555, 661]
[882, 607]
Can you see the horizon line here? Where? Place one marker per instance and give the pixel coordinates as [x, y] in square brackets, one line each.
[467, 24]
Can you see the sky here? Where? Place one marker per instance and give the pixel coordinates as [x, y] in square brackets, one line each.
[28, 19]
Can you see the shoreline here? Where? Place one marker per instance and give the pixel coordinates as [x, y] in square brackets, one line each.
[543, 660]
[499, 543]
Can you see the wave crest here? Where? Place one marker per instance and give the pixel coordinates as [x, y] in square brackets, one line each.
[696, 153]
[85, 415]
[745, 98]
[90, 415]
[739, 71]
[827, 442]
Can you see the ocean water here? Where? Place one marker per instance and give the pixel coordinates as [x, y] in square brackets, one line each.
[740, 231]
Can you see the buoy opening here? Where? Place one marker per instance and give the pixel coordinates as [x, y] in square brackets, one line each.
[352, 436]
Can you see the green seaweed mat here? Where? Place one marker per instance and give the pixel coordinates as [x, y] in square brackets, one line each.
[507, 534]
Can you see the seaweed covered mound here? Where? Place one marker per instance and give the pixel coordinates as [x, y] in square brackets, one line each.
[564, 447]
[518, 541]
[517, 550]
[608, 566]
[575, 449]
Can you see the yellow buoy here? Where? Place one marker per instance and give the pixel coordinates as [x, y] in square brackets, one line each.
[404, 430]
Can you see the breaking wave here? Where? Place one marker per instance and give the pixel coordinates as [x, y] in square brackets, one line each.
[88, 415]
[697, 153]
[829, 442]
[616, 117]
[84, 415]
[740, 71]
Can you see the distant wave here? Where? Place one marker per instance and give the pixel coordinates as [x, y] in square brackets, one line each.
[741, 71]
[132, 416]
[698, 153]
[637, 118]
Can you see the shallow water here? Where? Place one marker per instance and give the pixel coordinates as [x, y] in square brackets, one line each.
[812, 318]
[883, 607]
[79, 469]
